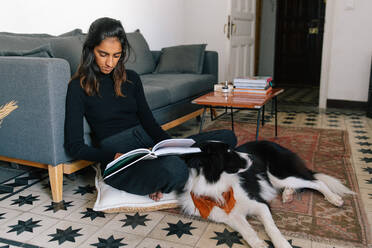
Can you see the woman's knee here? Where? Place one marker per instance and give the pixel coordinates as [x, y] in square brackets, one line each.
[176, 168]
[228, 136]
[175, 173]
[225, 135]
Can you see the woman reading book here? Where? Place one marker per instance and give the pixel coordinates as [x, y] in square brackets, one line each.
[113, 101]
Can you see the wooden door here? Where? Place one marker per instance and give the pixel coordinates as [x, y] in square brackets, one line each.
[299, 40]
[241, 38]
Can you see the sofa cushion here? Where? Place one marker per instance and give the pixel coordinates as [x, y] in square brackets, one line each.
[156, 96]
[180, 86]
[182, 59]
[17, 42]
[68, 48]
[42, 51]
[140, 59]
[111, 200]
[74, 32]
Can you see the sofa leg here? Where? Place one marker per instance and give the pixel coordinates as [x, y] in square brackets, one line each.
[56, 181]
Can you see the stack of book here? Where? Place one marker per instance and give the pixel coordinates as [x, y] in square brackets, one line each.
[253, 85]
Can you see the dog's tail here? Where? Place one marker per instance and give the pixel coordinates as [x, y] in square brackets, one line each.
[334, 184]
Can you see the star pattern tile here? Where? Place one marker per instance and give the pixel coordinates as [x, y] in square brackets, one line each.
[56, 206]
[22, 200]
[88, 189]
[111, 242]
[365, 151]
[358, 126]
[360, 132]
[368, 169]
[228, 238]
[24, 226]
[362, 137]
[366, 160]
[90, 213]
[65, 235]
[6, 189]
[135, 220]
[179, 228]
[271, 245]
[364, 143]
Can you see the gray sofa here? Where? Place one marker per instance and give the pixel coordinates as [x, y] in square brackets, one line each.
[34, 73]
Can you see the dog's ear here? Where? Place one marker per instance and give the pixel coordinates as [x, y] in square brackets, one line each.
[213, 146]
[234, 164]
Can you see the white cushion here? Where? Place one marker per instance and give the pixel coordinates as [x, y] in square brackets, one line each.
[111, 200]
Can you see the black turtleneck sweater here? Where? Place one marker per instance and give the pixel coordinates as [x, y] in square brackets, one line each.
[107, 115]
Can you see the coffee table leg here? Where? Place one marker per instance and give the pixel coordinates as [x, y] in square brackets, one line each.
[263, 115]
[258, 122]
[232, 119]
[276, 116]
[202, 119]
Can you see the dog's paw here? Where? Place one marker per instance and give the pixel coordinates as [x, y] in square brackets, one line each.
[257, 243]
[287, 195]
[335, 200]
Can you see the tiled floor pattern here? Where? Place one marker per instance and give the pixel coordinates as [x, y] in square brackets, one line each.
[29, 219]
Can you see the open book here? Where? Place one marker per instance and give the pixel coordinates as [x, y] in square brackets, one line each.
[164, 147]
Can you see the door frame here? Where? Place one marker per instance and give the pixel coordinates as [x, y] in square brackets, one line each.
[326, 49]
[326, 54]
[257, 36]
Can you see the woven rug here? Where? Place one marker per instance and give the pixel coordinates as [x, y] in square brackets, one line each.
[309, 215]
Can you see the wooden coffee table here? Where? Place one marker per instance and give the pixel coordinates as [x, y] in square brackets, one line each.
[237, 100]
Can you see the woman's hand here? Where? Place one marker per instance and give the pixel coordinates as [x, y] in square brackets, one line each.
[117, 155]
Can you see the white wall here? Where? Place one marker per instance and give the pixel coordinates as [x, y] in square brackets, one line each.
[267, 39]
[204, 23]
[351, 51]
[160, 21]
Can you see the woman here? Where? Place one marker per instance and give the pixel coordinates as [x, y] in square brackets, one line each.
[113, 101]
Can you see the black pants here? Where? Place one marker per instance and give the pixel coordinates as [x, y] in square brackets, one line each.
[163, 174]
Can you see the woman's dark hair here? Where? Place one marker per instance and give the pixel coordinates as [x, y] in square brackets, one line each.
[88, 70]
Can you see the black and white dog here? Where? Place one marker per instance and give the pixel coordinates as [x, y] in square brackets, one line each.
[252, 176]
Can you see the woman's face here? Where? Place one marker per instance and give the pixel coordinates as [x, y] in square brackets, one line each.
[107, 54]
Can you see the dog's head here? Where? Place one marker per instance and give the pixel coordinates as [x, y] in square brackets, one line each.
[216, 158]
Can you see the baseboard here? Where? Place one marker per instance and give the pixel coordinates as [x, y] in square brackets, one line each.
[342, 104]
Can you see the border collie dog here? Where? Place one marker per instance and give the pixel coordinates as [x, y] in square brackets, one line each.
[227, 185]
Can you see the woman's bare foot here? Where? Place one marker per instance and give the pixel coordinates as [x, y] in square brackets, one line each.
[156, 196]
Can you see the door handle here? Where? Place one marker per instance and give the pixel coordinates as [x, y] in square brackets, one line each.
[313, 30]
[229, 28]
[233, 27]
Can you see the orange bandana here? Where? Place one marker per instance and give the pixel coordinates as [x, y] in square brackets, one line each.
[205, 204]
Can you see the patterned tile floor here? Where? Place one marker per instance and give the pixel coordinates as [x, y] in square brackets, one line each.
[29, 219]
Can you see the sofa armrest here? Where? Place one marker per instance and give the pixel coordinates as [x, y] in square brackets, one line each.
[34, 131]
[211, 64]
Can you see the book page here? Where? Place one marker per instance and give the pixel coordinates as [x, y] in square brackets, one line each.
[145, 156]
[174, 143]
[123, 162]
[175, 150]
[128, 154]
